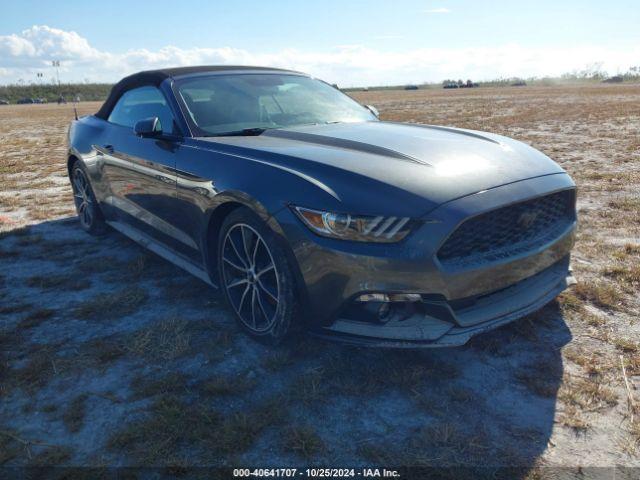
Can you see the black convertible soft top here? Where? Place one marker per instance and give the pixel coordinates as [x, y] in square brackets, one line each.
[156, 77]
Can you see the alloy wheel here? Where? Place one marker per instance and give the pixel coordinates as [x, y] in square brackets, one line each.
[82, 198]
[250, 277]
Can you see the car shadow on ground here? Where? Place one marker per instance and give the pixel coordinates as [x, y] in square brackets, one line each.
[113, 356]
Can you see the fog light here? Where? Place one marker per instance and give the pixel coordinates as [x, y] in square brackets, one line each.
[393, 297]
[405, 297]
[383, 311]
[373, 297]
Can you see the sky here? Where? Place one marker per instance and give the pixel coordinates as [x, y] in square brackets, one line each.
[351, 43]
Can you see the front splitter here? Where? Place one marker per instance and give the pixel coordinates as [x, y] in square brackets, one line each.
[454, 336]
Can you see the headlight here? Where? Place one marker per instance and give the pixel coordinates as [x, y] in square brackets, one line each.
[360, 228]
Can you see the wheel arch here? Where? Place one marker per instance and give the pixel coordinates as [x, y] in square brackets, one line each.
[216, 217]
[210, 240]
[226, 202]
[71, 161]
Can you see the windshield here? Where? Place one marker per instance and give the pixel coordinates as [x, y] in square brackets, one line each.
[223, 104]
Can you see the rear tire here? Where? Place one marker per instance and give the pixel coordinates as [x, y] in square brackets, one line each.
[256, 277]
[89, 214]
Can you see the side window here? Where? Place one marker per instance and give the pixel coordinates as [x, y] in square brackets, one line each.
[141, 103]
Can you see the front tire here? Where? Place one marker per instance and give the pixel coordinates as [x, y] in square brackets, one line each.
[89, 214]
[256, 277]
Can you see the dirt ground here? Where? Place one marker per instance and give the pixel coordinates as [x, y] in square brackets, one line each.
[110, 356]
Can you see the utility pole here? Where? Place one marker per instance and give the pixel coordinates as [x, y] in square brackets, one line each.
[56, 64]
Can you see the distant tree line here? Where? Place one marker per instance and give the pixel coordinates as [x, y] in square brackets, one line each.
[591, 74]
[459, 83]
[99, 91]
[51, 92]
[595, 72]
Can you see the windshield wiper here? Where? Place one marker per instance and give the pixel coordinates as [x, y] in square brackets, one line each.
[255, 131]
[245, 132]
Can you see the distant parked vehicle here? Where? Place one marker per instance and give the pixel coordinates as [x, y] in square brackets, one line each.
[39, 100]
[411, 87]
[614, 79]
[450, 85]
[519, 83]
[25, 100]
[4, 102]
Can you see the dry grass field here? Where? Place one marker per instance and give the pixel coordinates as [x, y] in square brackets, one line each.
[109, 356]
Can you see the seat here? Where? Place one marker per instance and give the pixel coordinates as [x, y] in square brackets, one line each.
[228, 109]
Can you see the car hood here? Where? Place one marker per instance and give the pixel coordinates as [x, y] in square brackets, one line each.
[418, 166]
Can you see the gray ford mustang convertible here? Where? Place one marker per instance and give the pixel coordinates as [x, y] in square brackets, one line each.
[307, 211]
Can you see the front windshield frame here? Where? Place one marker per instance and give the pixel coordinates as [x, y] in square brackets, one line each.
[197, 131]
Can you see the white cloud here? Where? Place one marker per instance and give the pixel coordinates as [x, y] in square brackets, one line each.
[23, 55]
[438, 10]
[41, 43]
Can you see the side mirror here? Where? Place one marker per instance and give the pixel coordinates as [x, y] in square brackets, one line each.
[373, 110]
[149, 127]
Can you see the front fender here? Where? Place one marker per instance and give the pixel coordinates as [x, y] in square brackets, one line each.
[230, 200]
[242, 198]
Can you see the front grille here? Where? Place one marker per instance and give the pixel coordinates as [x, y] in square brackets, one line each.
[510, 230]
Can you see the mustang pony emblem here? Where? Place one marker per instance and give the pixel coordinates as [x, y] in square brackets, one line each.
[526, 219]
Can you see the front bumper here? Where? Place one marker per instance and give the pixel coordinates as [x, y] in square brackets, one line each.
[487, 313]
[335, 272]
